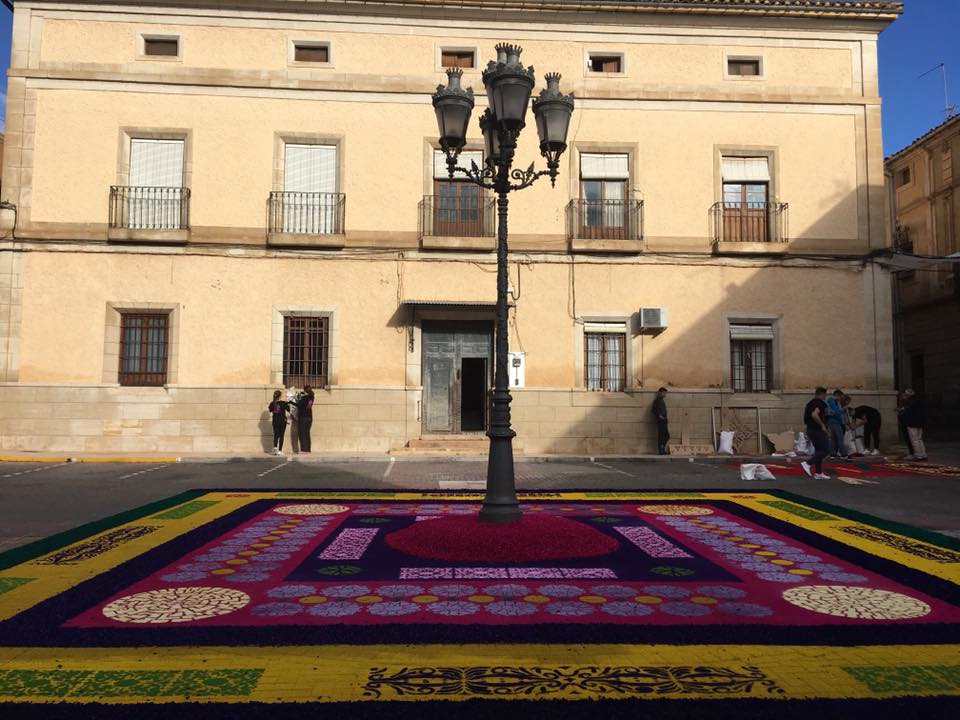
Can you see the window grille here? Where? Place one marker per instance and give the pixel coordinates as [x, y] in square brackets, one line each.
[306, 350]
[144, 348]
[605, 361]
[751, 365]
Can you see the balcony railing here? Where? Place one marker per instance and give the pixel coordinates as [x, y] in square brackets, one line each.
[149, 208]
[605, 220]
[306, 213]
[457, 216]
[750, 222]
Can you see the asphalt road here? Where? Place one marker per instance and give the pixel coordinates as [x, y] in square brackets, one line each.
[37, 500]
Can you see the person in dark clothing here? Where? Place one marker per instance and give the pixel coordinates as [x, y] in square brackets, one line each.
[659, 411]
[815, 418]
[305, 417]
[278, 413]
[912, 416]
[869, 417]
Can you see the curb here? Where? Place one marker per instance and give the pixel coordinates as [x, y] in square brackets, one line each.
[327, 459]
[62, 459]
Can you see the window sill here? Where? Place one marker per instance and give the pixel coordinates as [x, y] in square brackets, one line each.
[752, 248]
[166, 237]
[439, 242]
[325, 240]
[607, 246]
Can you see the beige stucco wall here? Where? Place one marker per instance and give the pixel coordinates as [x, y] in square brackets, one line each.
[674, 155]
[802, 62]
[226, 306]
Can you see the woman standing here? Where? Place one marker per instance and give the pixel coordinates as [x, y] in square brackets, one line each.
[305, 417]
[278, 413]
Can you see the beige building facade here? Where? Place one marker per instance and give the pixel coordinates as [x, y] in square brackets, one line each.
[924, 180]
[208, 202]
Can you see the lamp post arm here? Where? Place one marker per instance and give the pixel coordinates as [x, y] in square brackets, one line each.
[484, 177]
[526, 178]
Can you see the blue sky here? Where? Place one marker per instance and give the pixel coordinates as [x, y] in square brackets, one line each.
[927, 34]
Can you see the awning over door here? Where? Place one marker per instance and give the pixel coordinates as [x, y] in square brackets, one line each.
[453, 303]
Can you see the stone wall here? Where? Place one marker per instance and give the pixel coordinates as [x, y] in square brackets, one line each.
[109, 418]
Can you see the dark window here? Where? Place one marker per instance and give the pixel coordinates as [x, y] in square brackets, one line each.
[745, 212]
[304, 52]
[457, 58]
[751, 365]
[605, 361]
[163, 47]
[306, 349]
[743, 67]
[459, 209]
[143, 348]
[604, 208]
[903, 177]
[605, 63]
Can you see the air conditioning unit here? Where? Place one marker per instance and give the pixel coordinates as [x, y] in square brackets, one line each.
[653, 318]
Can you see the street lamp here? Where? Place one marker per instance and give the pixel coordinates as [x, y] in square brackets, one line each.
[508, 85]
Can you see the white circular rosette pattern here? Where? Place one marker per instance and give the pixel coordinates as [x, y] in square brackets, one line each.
[856, 602]
[179, 604]
[311, 509]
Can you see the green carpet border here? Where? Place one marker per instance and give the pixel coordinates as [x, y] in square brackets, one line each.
[927, 536]
[50, 543]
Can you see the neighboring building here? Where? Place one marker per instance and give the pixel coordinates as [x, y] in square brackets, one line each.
[214, 200]
[925, 179]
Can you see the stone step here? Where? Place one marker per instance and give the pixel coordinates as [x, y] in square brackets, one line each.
[453, 443]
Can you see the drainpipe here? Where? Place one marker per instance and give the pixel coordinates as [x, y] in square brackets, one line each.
[895, 286]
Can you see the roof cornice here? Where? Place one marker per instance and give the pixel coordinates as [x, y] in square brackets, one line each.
[869, 10]
[860, 9]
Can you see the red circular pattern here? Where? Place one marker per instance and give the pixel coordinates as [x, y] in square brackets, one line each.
[532, 537]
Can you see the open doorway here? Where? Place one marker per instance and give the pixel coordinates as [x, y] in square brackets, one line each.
[473, 394]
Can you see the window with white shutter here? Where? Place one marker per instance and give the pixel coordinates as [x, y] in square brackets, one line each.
[155, 196]
[746, 198]
[603, 194]
[311, 203]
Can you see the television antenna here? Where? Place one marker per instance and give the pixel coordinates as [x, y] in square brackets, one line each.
[948, 110]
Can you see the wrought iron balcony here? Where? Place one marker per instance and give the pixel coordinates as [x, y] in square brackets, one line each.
[149, 208]
[765, 222]
[605, 220]
[306, 213]
[457, 216]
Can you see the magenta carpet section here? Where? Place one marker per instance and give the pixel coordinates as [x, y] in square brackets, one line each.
[533, 537]
[611, 564]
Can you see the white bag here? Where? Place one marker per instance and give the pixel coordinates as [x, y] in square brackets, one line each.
[726, 442]
[802, 445]
[755, 471]
[849, 443]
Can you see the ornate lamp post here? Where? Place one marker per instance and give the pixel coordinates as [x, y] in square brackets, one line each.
[508, 85]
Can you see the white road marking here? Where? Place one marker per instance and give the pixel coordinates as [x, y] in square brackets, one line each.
[622, 472]
[386, 473]
[274, 468]
[27, 472]
[856, 481]
[141, 472]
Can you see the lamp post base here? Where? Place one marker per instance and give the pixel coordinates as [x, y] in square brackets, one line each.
[500, 504]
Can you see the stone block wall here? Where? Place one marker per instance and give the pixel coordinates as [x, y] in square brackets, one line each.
[180, 419]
